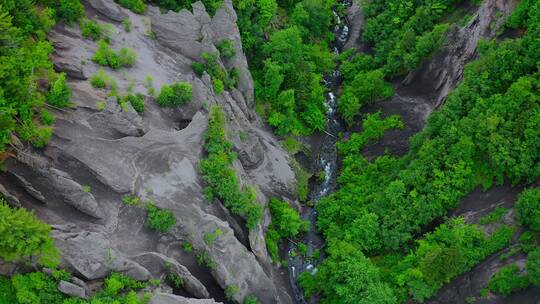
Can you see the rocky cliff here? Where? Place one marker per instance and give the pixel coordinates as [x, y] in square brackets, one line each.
[97, 156]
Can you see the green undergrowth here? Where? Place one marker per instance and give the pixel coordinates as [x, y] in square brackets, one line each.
[219, 176]
[40, 288]
[286, 224]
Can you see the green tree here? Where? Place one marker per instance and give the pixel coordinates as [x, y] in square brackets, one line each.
[528, 208]
[533, 267]
[508, 280]
[60, 92]
[23, 236]
[364, 89]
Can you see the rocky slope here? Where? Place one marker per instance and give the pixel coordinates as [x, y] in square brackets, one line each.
[155, 156]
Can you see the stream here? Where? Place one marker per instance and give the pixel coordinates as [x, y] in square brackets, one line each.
[326, 160]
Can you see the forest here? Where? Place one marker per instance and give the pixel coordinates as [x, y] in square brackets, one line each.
[388, 237]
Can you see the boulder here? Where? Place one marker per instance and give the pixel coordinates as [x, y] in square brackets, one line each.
[159, 264]
[72, 290]
[108, 9]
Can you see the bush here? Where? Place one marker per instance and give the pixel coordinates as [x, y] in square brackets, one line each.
[90, 29]
[127, 57]
[533, 266]
[528, 208]
[158, 219]
[101, 105]
[60, 92]
[198, 68]
[226, 48]
[23, 236]
[105, 56]
[117, 282]
[508, 280]
[187, 246]
[251, 300]
[136, 6]
[137, 101]
[174, 280]
[219, 87]
[286, 223]
[46, 117]
[69, 10]
[231, 291]
[175, 94]
[127, 25]
[100, 79]
[211, 237]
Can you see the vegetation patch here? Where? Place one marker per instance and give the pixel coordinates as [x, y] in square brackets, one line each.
[286, 224]
[221, 178]
[105, 56]
[175, 94]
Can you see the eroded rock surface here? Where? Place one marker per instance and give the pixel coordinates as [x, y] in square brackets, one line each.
[99, 155]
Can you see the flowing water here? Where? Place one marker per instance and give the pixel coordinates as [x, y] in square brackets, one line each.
[326, 161]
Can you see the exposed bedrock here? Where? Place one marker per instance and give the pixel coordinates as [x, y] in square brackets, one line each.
[445, 70]
[420, 92]
[98, 155]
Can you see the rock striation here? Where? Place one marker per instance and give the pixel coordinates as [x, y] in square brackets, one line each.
[99, 155]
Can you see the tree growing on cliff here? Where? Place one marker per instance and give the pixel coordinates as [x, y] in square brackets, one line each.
[23, 236]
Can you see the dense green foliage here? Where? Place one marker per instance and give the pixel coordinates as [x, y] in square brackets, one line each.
[287, 44]
[366, 87]
[291, 83]
[487, 132]
[373, 129]
[39, 288]
[24, 53]
[60, 92]
[449, 251]
[401, 34]
[176, 94]
[220, 177]
[226, 48]
[533, 266]
[508, 280]
[23, 236]
[528, 208]
[286, 224]
[161, 220]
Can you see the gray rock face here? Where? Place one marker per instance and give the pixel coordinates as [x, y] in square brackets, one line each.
[445, 69]
[108, 9]
[71, 289]
[92, 254]
[10, 199]
[69, 67]
[165, 298]
[72, 192]
[159, 264]
[356, 22]
[154, 155]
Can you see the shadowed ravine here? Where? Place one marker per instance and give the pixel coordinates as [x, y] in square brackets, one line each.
[326, 161]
